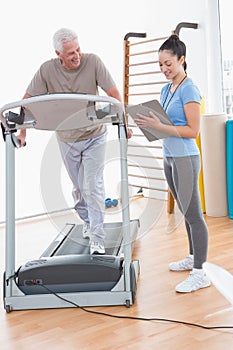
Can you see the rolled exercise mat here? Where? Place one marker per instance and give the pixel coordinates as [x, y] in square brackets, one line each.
[229, 166]
[213, 141]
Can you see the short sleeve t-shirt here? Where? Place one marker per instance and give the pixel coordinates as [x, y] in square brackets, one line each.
[174, 105]
[52, 77]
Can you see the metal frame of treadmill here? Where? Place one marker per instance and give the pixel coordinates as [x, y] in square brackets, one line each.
[122, 293]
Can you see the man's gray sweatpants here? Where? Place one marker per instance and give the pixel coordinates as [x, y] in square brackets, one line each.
[84, 161]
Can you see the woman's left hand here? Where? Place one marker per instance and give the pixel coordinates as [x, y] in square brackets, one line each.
[152, 121]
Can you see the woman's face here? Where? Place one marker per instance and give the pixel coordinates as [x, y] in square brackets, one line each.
[169, 64]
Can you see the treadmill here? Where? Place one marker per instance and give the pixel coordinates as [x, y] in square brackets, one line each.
[66, 275]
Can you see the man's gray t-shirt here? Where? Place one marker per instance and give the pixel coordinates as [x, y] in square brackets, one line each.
[52, 77]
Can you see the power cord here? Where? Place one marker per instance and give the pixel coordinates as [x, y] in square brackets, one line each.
[149, 319]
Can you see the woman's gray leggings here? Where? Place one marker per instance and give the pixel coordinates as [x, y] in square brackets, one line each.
[182, 178]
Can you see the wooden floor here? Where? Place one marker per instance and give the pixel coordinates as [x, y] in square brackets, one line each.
[161, 239]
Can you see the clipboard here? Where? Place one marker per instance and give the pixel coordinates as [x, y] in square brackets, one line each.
[146, 107]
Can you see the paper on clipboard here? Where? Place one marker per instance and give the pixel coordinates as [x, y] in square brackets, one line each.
[146, 107]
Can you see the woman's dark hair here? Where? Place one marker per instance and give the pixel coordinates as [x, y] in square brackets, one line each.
[176, 46]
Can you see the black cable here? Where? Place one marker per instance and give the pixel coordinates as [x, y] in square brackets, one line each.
[136, 318]
[148, 319]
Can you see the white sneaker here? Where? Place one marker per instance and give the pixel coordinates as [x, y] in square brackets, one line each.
[195, 281]
[86, 230]
[96, 248]
[182, 265]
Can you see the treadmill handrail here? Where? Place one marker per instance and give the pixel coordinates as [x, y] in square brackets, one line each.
[31, 122]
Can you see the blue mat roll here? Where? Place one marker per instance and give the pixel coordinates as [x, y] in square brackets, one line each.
[229, 166]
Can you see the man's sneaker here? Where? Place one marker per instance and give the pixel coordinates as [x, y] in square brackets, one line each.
[86, 230]
[195, 281]
[96, 248]
[182, 265]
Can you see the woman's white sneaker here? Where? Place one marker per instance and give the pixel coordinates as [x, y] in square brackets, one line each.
[182, 265]
[195, 281]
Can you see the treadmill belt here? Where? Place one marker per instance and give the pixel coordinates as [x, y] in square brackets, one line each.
[76, 244]
[70, 240]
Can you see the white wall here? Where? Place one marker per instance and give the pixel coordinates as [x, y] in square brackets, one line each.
[26, 29]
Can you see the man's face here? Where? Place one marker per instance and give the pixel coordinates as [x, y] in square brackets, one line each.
[71, 55]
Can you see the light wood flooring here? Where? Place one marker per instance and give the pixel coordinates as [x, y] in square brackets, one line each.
[161, 239]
